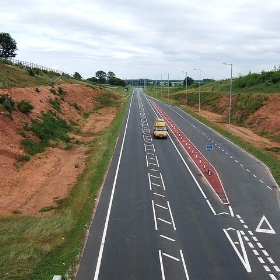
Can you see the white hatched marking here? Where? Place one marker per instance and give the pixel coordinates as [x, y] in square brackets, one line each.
[256, 252]
[251, 245]
[276, 268]
[160, 219]
[162, 206]
[159, 194]
[171, 215]
[161, 265]
[171, 257]
[267, 269]
[265, 253]
[154, 212]
[168, 238]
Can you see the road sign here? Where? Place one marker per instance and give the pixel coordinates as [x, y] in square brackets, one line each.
[209, 147]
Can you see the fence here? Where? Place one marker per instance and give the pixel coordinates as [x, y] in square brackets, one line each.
[31, 65]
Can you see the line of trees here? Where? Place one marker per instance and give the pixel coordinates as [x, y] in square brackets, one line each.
[110, 78]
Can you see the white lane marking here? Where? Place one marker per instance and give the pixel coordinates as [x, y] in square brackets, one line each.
[267, 269]
[158, 205]
[243, 258]
[256, 252]
[102, 244]
[149, 177]
[171, 257]
[171, 215]
[167, 222]
[267, 226]
[272, 277]
[184, 265]
[158, 194]
[161, 265]
[154, 212]
[210, 206]
[168, 238]
[231, 211]
[157, 185]
[162, 181]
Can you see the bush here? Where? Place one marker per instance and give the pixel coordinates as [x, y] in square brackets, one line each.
[49, 128]
[55, 104]
[7, 102]
[25, 107]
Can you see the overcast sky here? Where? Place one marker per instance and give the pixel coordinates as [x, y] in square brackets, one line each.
[146, 38]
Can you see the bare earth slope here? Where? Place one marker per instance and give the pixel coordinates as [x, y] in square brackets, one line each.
[49, 175]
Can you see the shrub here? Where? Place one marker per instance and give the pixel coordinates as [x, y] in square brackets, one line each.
[53, 91]
[55, 104]
[31, 72]
[25, 107]
[7, 102]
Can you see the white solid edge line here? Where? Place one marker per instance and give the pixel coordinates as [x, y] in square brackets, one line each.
[110, 204]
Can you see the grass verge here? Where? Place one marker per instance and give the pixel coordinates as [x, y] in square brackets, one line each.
[36, 248]
[264, 155]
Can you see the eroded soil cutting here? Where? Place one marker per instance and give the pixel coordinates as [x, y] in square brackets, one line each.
[48, 176]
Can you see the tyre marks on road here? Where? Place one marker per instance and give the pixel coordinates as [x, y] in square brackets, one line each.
[171, 259]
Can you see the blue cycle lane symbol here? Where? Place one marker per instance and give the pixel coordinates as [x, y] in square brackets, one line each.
[209, 147]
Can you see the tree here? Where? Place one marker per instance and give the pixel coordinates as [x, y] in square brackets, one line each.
[77, 76]
[8, 46]
[93, 80]
[117, 82]
[111, 75]
[190, 81]
[101, 76]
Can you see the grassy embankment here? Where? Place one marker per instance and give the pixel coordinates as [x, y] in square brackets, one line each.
[40, 247]
[249, 94]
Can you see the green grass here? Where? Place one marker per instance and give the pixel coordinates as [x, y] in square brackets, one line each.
[40, 247]
[267, 156]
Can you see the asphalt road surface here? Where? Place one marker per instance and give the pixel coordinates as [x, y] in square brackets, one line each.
[158, 217]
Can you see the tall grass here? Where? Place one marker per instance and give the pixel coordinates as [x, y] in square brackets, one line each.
[40, 247]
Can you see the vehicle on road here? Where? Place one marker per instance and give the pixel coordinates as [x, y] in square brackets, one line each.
[160, 128]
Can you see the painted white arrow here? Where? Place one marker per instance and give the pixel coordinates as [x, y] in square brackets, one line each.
[264, 226]
[242, 253]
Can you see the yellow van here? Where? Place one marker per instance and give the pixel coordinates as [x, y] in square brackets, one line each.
[160, 129]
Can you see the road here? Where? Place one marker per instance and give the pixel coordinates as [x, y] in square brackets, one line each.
[159, 218]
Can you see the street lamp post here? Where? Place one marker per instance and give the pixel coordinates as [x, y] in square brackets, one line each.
[198, 88]
[161, 85]
[230, 94]
[168, 88]
[156, 85]
[186, 87]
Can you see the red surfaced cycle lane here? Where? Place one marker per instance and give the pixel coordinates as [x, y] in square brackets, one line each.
[205, 167]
